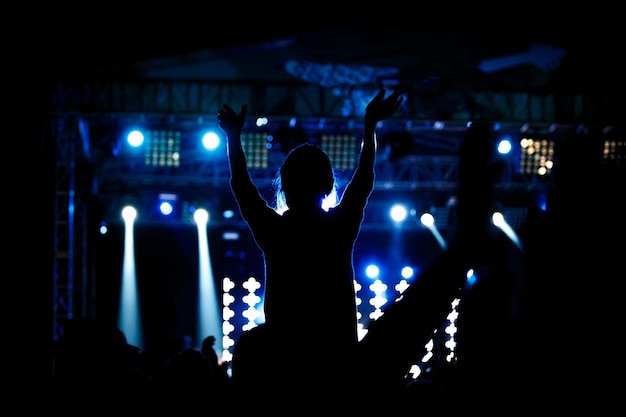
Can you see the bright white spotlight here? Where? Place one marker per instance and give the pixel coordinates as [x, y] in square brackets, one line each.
[135, 138]
[166, 203]
[498, 219]
[407, 272]
[201, 216]
[129, 213]
[505, 146]
[398, 213]
[470, 278]
[427, 219]
[372, 271]
[166, 208]
[210, 141]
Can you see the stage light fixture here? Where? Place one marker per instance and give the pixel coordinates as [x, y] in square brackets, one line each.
[255, 146]
[341, 149]
[129, 214]
[505, 145]
[614, 151]
[162, 148]
[167, 203]
[211, 140]
[408, 272]
[166, 208]
[537, 157]
[398, 213]
[135, 138]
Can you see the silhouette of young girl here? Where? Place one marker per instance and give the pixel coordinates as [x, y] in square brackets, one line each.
[309, 293]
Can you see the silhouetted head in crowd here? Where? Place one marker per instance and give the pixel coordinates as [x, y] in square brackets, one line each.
[305, 178]
[480, 168]
[207, 345]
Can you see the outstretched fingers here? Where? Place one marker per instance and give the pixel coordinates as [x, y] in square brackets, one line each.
[396, 97]
[380, 95]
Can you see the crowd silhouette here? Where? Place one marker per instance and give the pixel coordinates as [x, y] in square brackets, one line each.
[507, 359]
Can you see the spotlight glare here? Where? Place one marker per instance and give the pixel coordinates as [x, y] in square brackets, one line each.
[427, 219]
[498, 219]
[372, 271]
[135, 138]
[505, 146]
[129, 213]
[210, 141]
[201, 216]
[398, 213]
[166, 208]
[407, 272]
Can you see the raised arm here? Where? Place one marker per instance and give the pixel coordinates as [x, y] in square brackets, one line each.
[232, 123]
[251, 204]
[379, 108]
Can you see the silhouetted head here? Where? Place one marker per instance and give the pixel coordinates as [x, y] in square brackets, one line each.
[207, 345]
[479, 166]
[479, 169]
[208, 341]
[306, 177]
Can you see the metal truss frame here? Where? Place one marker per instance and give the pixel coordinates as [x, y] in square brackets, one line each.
[189, 103]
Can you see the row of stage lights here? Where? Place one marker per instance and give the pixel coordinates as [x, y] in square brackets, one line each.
[528, 152]
[212, 139]
[530, 156]
[398, 214]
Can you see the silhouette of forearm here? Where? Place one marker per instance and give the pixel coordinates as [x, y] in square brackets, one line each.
[240, 181]
[363, 178]
[397, 339]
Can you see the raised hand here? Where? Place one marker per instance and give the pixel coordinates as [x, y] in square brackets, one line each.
[381, 107]
[231, 122]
